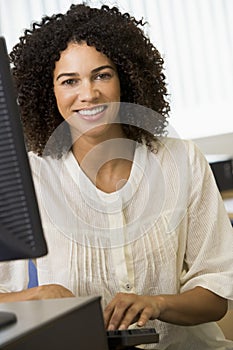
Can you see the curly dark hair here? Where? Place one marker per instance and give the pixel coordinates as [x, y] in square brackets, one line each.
[120, 37]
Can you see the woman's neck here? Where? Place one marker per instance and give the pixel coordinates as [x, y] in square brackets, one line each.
[107, 162]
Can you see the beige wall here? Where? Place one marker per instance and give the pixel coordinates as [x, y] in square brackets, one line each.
[218, 144]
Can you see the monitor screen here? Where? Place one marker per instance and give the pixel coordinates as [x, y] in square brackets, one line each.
[21, 234]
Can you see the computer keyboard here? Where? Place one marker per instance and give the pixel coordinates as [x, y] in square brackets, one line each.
[121, 339]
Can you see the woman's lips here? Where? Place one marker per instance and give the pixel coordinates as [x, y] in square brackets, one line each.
[92, 114]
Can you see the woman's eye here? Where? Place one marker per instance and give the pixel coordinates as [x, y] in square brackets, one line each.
[103, 76]
[69, 82]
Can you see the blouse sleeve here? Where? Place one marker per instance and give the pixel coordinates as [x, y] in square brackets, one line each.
[209, 250]
[13, 276]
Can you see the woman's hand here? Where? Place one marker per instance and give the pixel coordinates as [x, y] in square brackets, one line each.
[47, 291]
[126, 309]
[195, 306]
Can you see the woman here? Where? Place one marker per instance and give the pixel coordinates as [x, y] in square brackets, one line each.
[127, 212]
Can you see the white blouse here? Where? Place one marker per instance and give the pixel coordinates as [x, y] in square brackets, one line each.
[164, 232]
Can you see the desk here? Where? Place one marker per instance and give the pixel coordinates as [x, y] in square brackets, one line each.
[55, 324]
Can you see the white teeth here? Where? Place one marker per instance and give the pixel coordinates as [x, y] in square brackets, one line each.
[92, 111]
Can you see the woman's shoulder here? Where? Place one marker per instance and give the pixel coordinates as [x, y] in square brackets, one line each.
[175, 142]
[177, 146]
[182, 152]
[33, 156]
[47, 162]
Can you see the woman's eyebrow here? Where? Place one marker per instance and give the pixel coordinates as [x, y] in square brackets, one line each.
[102, 67]
[67, 75]
[95, 70]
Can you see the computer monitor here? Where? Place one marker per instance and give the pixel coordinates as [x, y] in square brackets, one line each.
[21, 233]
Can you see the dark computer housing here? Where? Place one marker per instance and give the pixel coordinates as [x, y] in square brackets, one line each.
[21, 233]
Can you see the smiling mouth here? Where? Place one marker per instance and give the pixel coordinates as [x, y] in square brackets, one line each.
[92, 113]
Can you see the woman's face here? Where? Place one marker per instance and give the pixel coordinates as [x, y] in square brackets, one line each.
[85, 84]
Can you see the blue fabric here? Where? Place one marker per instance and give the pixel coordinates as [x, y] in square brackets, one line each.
[33, 281]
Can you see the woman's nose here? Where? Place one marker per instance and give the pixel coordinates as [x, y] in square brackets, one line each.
[88, 91]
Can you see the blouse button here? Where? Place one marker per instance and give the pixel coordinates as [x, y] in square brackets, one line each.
[127, 286]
